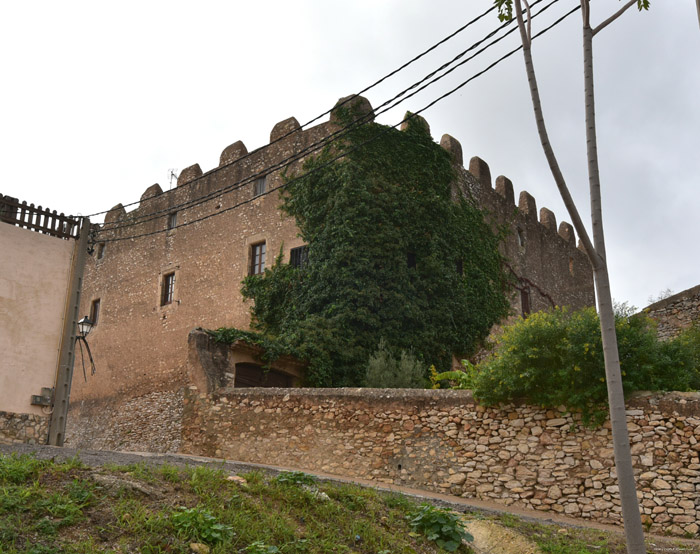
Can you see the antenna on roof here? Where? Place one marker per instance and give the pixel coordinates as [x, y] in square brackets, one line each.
[172, 175]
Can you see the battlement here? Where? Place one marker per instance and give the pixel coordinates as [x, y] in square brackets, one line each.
[287, 138]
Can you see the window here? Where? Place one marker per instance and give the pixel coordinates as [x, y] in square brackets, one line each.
[167, 290]
[525, 302]
[257, 258]
[521, 237]
[299, 257]
[260, 186]
[411, 260]
[100, 250]
[172, 220]
[95, 311]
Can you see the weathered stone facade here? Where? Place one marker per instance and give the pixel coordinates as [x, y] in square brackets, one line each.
[24, 428]
[140, 342]
[443, 441]
[676, 313]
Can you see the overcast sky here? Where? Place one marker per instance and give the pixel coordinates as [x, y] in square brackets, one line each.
[100, 100]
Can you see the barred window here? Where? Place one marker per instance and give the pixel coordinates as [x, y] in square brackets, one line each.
[299, 257]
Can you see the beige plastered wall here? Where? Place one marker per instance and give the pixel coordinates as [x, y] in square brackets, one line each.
[34, 277]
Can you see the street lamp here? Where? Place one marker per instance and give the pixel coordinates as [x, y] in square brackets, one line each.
[85, 326]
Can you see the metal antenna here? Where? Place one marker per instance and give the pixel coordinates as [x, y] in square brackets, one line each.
[172, 175]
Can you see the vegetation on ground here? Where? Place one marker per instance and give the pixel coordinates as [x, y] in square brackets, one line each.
[556, 358]
[391, 255]
[47, 507]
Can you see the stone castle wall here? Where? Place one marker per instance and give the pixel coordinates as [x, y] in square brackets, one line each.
[140, 347]
[676, 313]
[443, 441]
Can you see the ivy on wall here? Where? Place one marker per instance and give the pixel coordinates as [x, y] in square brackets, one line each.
[391, 255]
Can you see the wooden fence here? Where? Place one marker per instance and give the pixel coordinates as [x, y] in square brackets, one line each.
[38, 219]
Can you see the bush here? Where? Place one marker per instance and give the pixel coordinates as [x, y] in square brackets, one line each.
[439, 525]
[385, 371]
[556, 358]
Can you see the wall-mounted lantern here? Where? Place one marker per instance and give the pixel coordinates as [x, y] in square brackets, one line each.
[84, 328]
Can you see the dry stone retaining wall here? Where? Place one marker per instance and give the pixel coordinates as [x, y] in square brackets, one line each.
[148, 423]
[444, 441]
[24, 428]
[676, 313]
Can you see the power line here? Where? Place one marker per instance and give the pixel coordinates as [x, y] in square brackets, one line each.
[345, 153]
[350, 99]
[329, 138]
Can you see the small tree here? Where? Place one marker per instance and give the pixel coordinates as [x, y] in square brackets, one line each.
[386, 371]
[594, 248]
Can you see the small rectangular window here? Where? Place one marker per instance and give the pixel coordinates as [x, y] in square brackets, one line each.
[257, 258]
[167, 290]
[260, 186]
[299, 257]
[525, 302]
[100, 250]
[172, 220]
[411, 260]
[95, 311]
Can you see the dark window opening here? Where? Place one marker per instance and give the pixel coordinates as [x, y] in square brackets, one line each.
[257, 259]
[299, 257]
[260, 186]
[172, 220]
[521, 237]
[525, 302]
[167, 291]
[460, 267]
[251, 375]
[95, 311]
[100, 250]
[411, 260]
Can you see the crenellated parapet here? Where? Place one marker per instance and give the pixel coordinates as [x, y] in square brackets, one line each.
[535, 245]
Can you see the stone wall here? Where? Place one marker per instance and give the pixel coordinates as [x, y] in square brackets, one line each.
[24, 428]
[148, 423]
[676, 313]
[443, 441]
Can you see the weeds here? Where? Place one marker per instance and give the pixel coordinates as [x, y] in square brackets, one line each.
[439, 525]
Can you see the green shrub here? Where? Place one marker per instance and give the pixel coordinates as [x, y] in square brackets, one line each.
[385, 371]
[439, 525]
[556, 358]
[199, 524]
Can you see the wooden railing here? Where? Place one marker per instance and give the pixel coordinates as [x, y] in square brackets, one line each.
[38, 219]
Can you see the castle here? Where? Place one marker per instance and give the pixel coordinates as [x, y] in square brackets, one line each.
[176, 262]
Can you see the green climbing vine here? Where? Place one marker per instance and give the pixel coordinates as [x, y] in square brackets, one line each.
[391, 256]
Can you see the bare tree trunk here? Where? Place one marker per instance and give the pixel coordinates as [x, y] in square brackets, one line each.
[618, 418]
[596, 253]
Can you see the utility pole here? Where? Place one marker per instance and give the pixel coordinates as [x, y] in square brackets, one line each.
[64, 375]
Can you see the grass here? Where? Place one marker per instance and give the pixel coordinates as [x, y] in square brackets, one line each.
[48, 507]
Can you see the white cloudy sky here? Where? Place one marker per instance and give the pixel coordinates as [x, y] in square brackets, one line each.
[100, 99]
